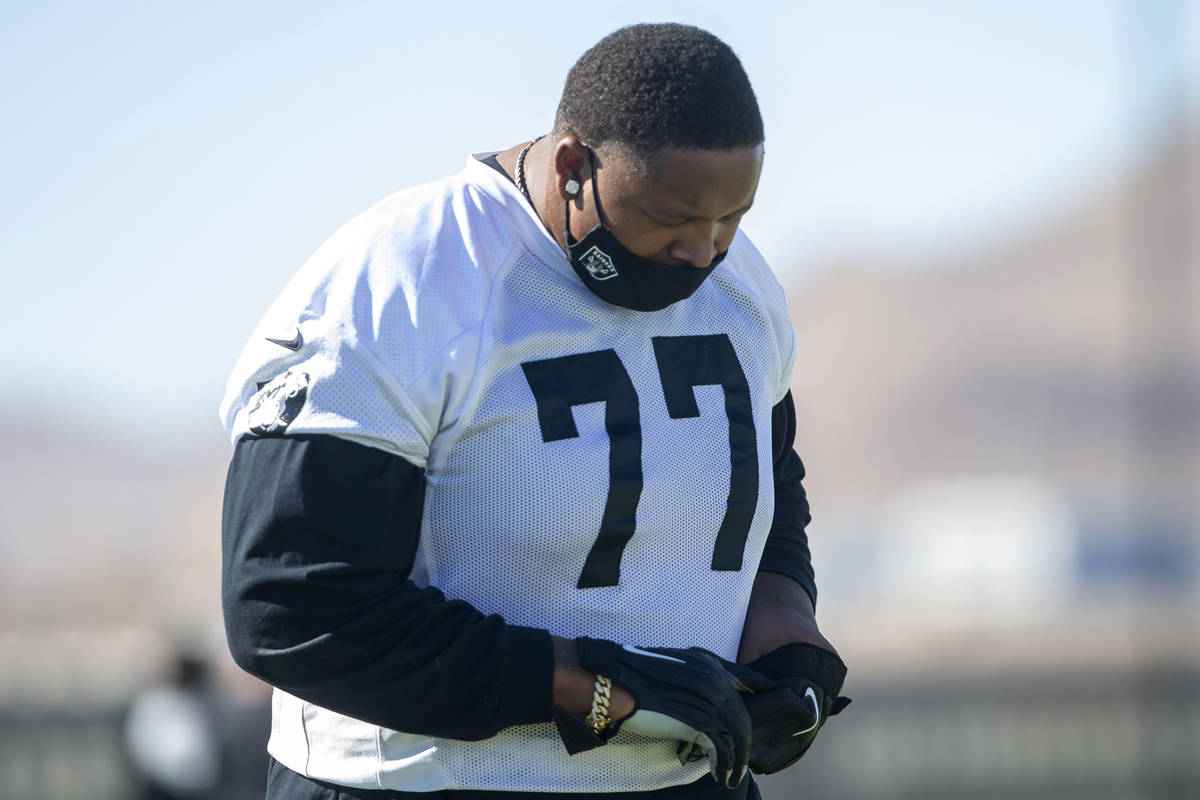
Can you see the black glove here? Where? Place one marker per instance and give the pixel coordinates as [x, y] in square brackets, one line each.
[787, 716]
[680, 694]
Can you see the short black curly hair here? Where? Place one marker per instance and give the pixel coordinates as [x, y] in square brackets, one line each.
[645, 87]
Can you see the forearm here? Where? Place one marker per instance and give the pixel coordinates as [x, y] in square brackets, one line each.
[409, 660]
[780, 612]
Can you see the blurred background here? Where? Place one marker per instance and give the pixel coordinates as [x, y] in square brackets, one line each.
[985, 218]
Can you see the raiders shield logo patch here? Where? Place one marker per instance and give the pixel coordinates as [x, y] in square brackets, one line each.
[278, 403]
[598, 264]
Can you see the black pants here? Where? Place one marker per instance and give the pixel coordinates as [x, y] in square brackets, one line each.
[283, 784]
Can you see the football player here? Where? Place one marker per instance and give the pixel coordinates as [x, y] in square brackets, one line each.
[514, 504]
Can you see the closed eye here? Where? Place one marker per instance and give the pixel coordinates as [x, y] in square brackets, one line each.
[670, 222]
[675, 222]
[736, 216]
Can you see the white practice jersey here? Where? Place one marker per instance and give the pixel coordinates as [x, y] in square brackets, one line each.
[590, 470]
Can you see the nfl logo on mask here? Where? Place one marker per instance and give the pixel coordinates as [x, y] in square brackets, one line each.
[598, 264]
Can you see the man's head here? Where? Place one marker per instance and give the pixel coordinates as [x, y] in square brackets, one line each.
[648, 87]
[665, 113]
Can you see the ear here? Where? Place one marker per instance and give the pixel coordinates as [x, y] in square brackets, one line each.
[571, 163]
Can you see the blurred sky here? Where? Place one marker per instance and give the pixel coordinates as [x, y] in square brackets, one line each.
[167, 166]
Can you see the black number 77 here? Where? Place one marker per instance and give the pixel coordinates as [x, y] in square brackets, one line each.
[684, 362]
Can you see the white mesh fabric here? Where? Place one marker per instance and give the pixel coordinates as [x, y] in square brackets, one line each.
[534, 508]
[376, 307]
[510, 518]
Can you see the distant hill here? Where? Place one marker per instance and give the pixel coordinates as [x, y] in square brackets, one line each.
[94, 532]
[1070, 354]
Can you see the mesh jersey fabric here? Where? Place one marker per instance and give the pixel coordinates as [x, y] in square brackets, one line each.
[422, 326]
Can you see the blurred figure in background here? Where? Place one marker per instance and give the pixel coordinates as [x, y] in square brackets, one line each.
[171, 735]
[199, 733]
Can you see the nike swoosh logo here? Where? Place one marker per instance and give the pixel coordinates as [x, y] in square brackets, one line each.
[637, 651]
[293, 343]
[809, 694]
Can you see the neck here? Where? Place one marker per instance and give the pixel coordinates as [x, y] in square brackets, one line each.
[539, 182]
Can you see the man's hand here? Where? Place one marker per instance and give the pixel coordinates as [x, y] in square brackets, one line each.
[686, 695]
[781, 641]
[787, 714]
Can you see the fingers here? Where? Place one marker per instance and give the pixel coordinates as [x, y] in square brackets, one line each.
[729, 758]
[728, 762]
[725, 740]
[687, 752]
[748, 680]
[738, 739]
[703, 748]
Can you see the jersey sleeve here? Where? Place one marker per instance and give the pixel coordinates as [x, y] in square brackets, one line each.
[374, 339]
[319, 536]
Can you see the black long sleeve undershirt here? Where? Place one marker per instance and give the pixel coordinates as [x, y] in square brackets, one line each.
[787, 550]
[319, 537]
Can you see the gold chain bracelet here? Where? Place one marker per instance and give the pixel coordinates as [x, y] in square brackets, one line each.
[598, 717]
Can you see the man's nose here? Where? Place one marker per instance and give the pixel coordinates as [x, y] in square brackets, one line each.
[698, 249]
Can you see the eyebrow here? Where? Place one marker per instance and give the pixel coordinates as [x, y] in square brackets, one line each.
[683, 215]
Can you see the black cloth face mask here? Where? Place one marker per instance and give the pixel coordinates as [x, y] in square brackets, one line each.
[623, 278]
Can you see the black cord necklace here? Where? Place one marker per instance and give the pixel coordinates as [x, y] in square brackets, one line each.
[520, 176]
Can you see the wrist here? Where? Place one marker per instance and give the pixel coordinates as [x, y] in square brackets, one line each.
[574, 687]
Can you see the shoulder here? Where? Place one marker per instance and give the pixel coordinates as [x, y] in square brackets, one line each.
[375, 308]
[424, 237]
[414, 270]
